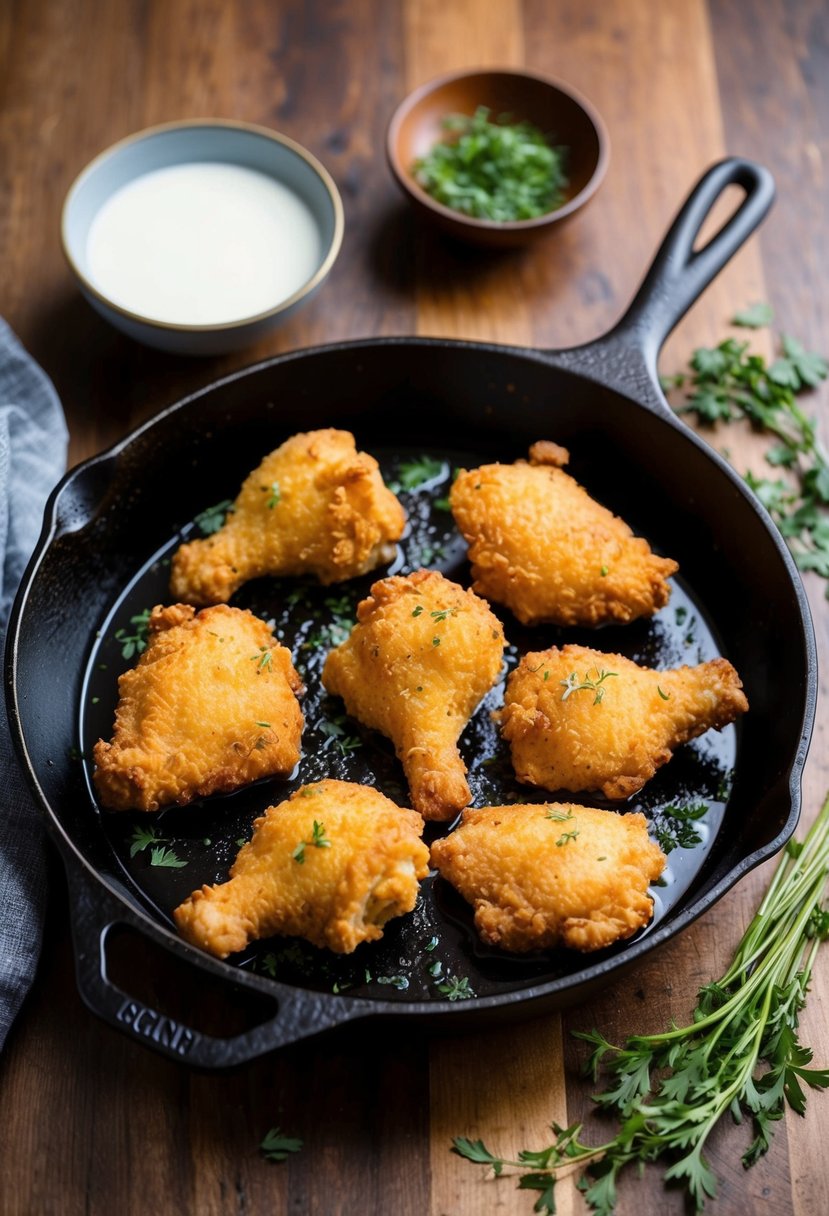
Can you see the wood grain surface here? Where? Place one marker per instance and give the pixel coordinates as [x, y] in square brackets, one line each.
[93, 1123]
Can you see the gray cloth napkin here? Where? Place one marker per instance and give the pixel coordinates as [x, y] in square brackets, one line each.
[32, 458]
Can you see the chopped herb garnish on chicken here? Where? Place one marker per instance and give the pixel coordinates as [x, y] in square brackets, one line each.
[318, 841]
[559, 815]
[573, 684]
[263, 658]
[566, 837]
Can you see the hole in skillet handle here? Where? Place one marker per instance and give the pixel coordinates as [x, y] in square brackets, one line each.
[680, 273]
[110, 946]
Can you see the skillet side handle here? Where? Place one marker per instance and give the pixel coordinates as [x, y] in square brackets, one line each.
[679, 273]
[94, 912]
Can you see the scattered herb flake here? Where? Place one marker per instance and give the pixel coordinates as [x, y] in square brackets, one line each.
[134, 643]
[397, 981]
[566, 837]
[278, 1147]
[456, 989]
[212, 518]
[673, 826]
[268, 964]
[415, 473]
[142, 837]
[263, 659]
[756, 316]
[318, 841]
[274, 495]
[166, 857]
[559, 814]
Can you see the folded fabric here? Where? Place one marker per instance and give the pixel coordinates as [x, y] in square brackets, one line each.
[32, 458]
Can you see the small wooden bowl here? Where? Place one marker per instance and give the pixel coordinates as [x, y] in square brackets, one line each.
[556, 109]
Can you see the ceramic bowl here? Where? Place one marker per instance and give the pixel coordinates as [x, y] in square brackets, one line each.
[559, 111]
[204, 142]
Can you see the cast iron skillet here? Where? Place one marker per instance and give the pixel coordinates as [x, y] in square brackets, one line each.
[112, 523]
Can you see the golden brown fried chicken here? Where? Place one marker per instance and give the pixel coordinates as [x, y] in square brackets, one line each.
[552, 875]
[577, 719]
[332, 865]
[422, 655]
[314, 506]
[541, 545]
[210, 706]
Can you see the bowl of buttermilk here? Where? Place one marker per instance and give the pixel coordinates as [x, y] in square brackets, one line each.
[201, 237]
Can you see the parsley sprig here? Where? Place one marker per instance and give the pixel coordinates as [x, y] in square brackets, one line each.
[739, 1055]
[493, 170]
[727, 382]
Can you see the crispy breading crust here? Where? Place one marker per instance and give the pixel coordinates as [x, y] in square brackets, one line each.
[314, 506]
[211, 705]
[422, 655]
[339, 895]
[541, 545]
[541, 876]
[612, 737]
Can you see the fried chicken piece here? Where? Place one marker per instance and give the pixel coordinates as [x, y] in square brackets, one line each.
[210, 706]
[541, 545]
[332, 865]
[314, 506]
[422, 655]
[577, 719]
[540, 876]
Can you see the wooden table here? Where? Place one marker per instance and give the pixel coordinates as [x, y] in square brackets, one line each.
[91, 1122]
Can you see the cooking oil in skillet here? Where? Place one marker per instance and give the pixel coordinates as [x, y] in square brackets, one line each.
[434, 953]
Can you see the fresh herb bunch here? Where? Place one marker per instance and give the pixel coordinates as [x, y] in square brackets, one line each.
[494, 170]
[740, 1055]
[727, 382]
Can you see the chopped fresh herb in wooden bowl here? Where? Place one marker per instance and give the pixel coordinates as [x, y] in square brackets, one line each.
[497, 157]
[494, 169]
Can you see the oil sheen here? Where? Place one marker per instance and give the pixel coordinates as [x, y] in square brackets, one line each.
[202, 244]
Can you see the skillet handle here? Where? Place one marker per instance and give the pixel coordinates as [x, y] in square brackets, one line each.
[679, 273]
[94, 912]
